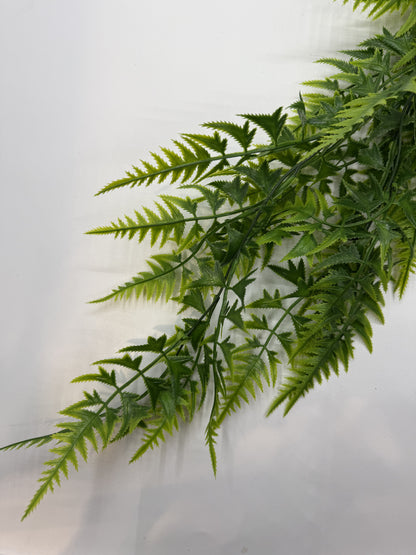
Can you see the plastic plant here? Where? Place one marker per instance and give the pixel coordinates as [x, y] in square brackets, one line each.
[321, 203]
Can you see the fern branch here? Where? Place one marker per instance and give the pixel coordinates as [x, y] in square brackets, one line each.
[154, 284]
[337, 180]
[160, 174]
[409, 267]
[252, 368]
[59, 465]
[302, 378]
[32, 442]
[131, 228]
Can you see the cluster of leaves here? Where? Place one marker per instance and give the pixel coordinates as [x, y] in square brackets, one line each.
[324, 207]
[377, 8]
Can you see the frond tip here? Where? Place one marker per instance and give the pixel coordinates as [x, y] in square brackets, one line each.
[159, 282]
[32, 442]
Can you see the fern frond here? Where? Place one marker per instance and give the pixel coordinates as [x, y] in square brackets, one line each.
[240, 133]
[32, 442]
[327, 84]
[68, 442]
[167, 224]
[153, 436]
[211, 435]
[407, 58]
[355, 112]
[157, 283]
[406, 264]
[247, 374]
[377, 8]
[175, 165]
[342, 65]
[309, 369]
[192, 161]
[324, 210]
[126, 361]
[133, 414]
[271, 124]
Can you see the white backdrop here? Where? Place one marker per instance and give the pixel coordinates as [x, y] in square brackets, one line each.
[88, 88]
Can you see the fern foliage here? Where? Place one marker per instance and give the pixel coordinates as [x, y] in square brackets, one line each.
[377, 8]
[321, 200]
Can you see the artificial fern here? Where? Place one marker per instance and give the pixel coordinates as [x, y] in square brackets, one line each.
[326, 206]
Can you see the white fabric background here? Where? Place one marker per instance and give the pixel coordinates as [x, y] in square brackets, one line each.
[88, 88]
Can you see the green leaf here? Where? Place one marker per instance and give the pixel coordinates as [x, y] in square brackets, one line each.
[271, 124]
[198, 330]
[342, 65]
[240, 287]
[304, 246]
[267, 301]
[126, 361]
[234, 315]
[248, 373]
[274, 236]
[153, 345]
[210, 276]
[386, 236]
[408, 24]
[153, 436]
[213, 142]
[242, 134]
[159, 282]
[292, 273]
[195, 300]
[347, 255]
[371, 157]
[236, 191]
